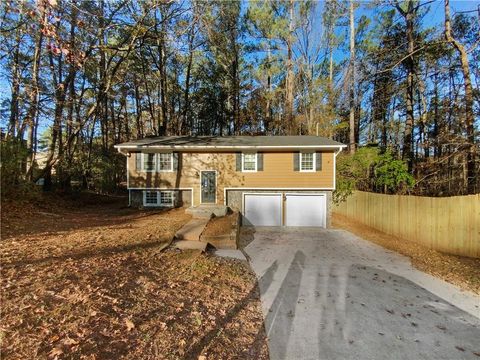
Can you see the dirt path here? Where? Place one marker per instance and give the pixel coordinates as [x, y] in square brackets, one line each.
[88, 280]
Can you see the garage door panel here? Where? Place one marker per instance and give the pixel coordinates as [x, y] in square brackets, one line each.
[305, 210]
[263, 209]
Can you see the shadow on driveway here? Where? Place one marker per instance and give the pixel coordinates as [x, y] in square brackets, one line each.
[319, 304]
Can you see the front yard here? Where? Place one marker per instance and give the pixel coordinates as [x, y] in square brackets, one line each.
[88, 281]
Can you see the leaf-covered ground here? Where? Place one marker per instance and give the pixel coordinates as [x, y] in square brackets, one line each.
[461, 271]
[90, 281]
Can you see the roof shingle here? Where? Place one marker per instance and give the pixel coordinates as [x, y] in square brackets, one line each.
[230, 142]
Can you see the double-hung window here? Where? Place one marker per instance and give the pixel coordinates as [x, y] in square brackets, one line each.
[307, 161]
[165, 162]
[249, 162]
[157, 162]
[149, 162]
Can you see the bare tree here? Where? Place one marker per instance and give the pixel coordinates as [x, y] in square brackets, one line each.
[352, 79]
[469, 117]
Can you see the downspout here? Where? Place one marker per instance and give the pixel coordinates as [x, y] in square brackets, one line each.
[127, 155]
[335, 167]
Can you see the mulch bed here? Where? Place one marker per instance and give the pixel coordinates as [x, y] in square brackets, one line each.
[461, 271]
[95, 285]
[220, 225]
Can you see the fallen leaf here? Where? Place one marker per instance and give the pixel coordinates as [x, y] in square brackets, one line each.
[130, 324]
[55, 353]
[69, 341]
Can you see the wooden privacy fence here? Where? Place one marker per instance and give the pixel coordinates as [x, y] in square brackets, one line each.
[449, 224]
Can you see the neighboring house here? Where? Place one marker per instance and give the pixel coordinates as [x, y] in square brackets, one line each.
[271, 180]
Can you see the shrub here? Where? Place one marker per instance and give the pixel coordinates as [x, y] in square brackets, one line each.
[370, 170]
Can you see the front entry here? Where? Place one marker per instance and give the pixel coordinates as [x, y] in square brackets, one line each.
[208, 185]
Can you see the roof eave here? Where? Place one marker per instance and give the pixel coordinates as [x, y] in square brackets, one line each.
[224, 147]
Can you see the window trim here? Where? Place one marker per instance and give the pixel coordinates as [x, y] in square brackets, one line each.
[171, 162]
[243, 161]
[171, 203]
[154, 160]
[314, 162]
[158, 203]
[145, 198]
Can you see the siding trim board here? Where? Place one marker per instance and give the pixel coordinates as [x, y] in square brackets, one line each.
[271, 189]
[335, 168]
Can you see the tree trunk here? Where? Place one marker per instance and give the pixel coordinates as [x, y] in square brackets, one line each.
[13, 121]
[352, 80]
[408, 137]
[469, 117]
[186, 95]
[289, 83]
[32, 110]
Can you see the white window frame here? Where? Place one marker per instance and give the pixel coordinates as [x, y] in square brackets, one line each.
[160, 198]
[145, 198]
[171, 162]
[159, 195]
[154, 160]
[314, 162]
[243, 162]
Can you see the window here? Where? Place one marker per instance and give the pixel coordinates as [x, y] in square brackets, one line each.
[166, 198]
[157, 198]
[150, 198]
[249, 162]
[148, 162]
[165, 162]
[307, 161]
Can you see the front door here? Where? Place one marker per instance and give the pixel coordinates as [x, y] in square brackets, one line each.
[208, 186]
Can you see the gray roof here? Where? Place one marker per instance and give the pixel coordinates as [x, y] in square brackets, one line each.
[230, 142]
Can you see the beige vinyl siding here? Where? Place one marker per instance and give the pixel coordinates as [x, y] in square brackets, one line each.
[278, 173]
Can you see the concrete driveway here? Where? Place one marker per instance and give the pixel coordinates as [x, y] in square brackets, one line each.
[327, 294]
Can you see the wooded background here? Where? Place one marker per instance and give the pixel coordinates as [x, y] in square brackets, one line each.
[81, 76]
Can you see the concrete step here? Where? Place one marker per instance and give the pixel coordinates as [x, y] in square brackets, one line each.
[192, 230]
[207, 211]
[191, 245]
[234, 254]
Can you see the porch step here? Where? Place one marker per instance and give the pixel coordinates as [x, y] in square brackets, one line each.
[207, 211]
[192, 230]
[191, 245]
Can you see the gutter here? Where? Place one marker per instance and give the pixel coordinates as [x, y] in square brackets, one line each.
[239, 147]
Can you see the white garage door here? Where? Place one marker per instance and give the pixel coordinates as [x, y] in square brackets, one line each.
[306, 210]
[263, 209]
